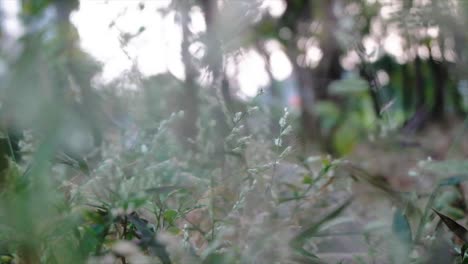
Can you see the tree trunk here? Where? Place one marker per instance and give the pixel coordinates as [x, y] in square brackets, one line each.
[189, 96]
[214, 52]
[440, 75]
[420, 84]
[407, 93]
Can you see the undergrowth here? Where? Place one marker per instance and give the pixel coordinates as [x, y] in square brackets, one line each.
[246, 196]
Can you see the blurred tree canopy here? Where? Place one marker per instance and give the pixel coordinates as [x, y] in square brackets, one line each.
[354, 64]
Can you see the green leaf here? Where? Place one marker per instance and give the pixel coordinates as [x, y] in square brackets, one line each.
[354, 85]
[293, 198]
[450, 181]
[215, 258]
[450, 167]
[456, 228]
[464, 249]
[6, 258]
[165, 189]
[310, 231]
[453, 180]
[454, 213]
[346, 137]
[465, 260]
[330, 113]
[174, 230]
[298, 241]
[170, 216]
[34, 7]
[401, 227]
[307, 180]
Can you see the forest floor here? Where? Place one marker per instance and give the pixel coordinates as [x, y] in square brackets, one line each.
[401, 162]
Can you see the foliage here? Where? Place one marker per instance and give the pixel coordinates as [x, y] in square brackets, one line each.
[165, 169]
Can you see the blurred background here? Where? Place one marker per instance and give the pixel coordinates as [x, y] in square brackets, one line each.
[214, 92]
[344, 68]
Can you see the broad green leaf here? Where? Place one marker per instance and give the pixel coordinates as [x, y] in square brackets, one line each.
[401, 246]
[170, 216]
[307, 180]
[401, 228]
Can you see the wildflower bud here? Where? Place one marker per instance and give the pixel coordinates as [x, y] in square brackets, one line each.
[282, 122]
[237, 117]
[278, 142]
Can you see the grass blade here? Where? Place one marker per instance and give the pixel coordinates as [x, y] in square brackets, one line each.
[456, 228]
[298, 241]
[401, 227]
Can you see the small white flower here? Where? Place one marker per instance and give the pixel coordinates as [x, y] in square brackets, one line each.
[244, 140]
[253, 171]
[413, 173]
[144, 149]
[252, 109]
[237, 150]
[311, 159]
[278, 142]
[181, 114]
[237, 117]
[282, 122]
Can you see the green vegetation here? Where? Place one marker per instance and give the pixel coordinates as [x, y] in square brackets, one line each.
[357, 156]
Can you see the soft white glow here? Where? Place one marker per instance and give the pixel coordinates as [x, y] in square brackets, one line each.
[251, 73]
[423, 52]
[388, 10]
[371, 48]
[393, 44]
[198, 24]
[275, 7]
[103, 25]
[123, 36]
[157, 48]
[177, 68]
[281, 67]
[450, 55]
[11, 24]
[433, 32]
[435, 51]
[313, 56]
